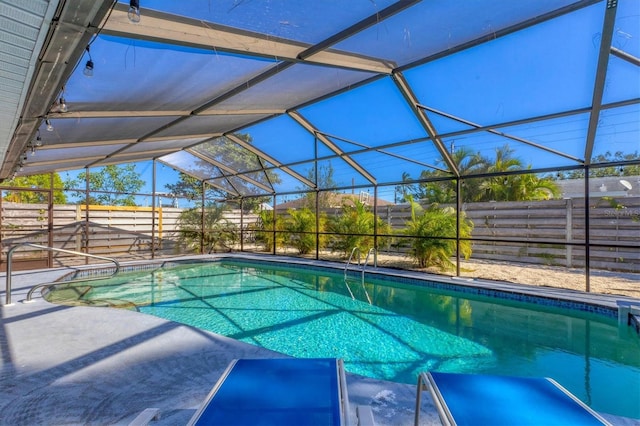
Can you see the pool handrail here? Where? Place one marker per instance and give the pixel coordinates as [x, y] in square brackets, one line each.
[366, 261]
[364, 266]
[353, 251]
[346, 266]
[38, 246]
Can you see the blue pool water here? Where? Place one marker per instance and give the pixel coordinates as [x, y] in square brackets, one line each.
[406, 329]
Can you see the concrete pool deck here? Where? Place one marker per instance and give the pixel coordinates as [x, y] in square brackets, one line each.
[92, 365]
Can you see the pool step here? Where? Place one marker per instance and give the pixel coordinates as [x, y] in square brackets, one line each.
[629, 314]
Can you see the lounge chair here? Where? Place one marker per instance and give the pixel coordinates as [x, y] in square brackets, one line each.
[470, 399]
[278, 391]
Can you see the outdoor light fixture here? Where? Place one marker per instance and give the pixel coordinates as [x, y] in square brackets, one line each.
[49, 125]
[88, 68]
[60, 106]
[134, 11]
[63, 105]
[38, 141]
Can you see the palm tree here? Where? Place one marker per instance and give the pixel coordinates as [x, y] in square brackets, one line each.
[519, 187]
[467, 163]
[355, 228]
[435, 228]
[218, 233]
[470, 163]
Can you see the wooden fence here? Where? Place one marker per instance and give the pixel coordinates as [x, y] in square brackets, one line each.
[126, 232]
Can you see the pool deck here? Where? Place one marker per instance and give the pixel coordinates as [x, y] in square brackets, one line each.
[92, 365]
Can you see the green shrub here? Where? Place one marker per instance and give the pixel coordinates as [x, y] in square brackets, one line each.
[219, 234]
[431, 223]
[354, 227]
[264, 234]
[300, 230]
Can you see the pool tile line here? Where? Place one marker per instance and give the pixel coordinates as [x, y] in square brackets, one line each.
[92, 271]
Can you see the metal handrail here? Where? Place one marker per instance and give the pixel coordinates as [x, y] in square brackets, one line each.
[364, 266]
[355, 249]
[347, 267]
[366, 261]
[14, 248]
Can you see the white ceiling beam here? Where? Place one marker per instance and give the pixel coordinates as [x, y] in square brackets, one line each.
[601, 77]
[427, 125]
[172, 29]
[176, 113]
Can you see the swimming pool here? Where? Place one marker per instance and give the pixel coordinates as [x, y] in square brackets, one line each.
[406, 329]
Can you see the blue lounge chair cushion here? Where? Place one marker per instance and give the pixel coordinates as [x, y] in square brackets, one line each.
[281, 391]
[504, 400]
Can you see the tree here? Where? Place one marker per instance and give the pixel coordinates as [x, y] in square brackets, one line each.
[234, 156]
[523, 187]
[403, 191]
[300, 228]
[509, 187]
[324, 180]
[354, 227]
[607, 157]
[444, 191]
[41, 181]
[430, 225]
[187, 186]
[520, 187]
[218, 235]
[265, 229]
[113, 185]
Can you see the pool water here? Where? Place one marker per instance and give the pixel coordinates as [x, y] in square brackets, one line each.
[406, 329]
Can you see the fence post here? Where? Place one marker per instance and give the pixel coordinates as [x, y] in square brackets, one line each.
[241, 224]
[389, 225]
[78, 242]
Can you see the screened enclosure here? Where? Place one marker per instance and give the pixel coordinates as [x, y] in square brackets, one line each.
[446, 136]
